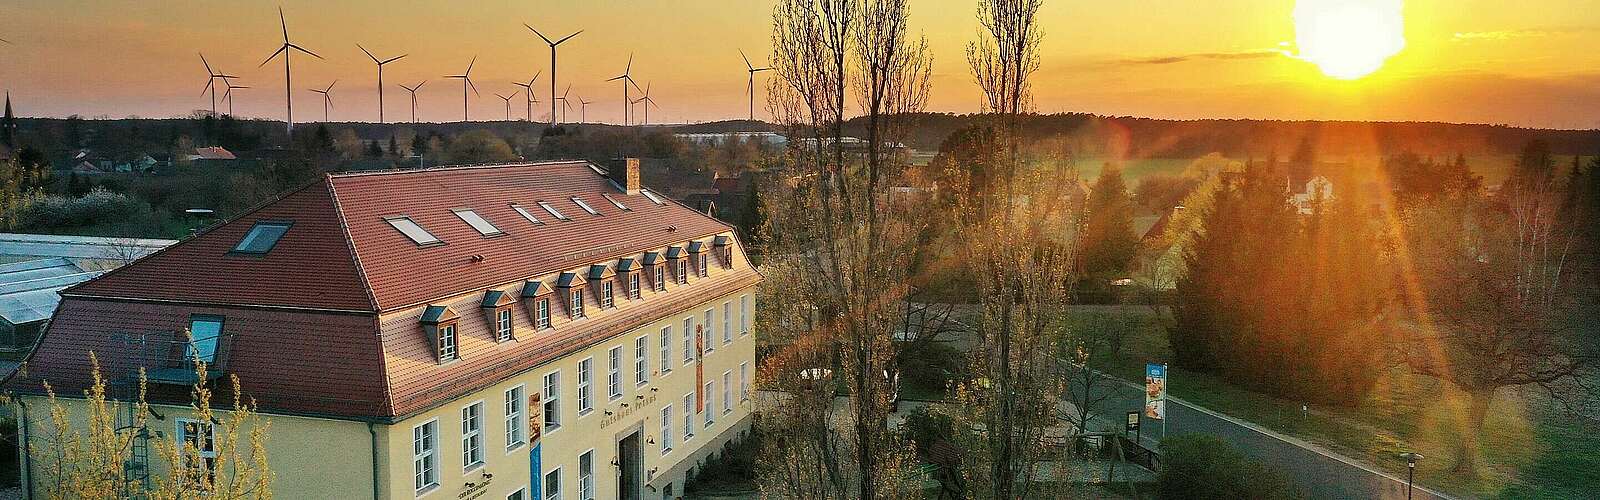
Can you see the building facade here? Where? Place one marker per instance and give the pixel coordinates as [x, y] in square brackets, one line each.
[529, 331]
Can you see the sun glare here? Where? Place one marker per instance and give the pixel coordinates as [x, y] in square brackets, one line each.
[1348, 39]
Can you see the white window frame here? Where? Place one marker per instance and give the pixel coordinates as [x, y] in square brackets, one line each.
[727, 392]
[633, 286]
[586, 481]
[551, 399]
[575, 303]
[585, 206]
[660, 281]
[666, 350]
[586, 386]
[541, 313]
[448, 351]
[683, 271]
[521, 210]
[744, 381]
[181, 439]
[615, 203]
[700, 264]
[710, 331]
[666, 428]
[614, 377]
[607, 297]
[727, 322]
[711, 390]
[472, 437]
[425, 458]
[412, 230]
[552, 493]
[688, 340]
[473, 218]
[518, 494]
[503, 324]
[641, 360]
[551, 209]
[688, 417]
[516, 410]
[744, 315]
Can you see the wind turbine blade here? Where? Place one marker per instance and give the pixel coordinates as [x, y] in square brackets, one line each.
[285, 25]
[209, 83]
[758, 70]
[536, 32]
[330, 86]
[629, 67]
[202, 61]
[617, 78]
[474, 87]
[274, 54]
[523, 85]
[225, 76]
[746, 59]
[569, 37]
[469, 65]
[393, 59]
[302, 49]
[368, 53]
[536, 75]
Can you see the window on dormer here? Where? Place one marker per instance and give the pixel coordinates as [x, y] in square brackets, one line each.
[660, 281]
[607, 300]
[541, 316]
[727, 257]
[700, 264]
[447, 342]
[575, 302]
[683, 271]
[585, 206]
[502, 324]
[633, 285]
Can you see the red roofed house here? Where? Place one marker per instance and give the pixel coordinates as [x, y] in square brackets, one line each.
[488, 331]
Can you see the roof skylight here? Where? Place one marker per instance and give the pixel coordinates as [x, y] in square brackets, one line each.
[585, 206]
[410, 228]
[614, 202]
[653, 197]
[477, 222]
[262, 237]
[525, 214]
[553, 212]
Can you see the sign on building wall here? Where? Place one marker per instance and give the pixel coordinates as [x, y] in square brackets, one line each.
[699, 369]
[535, 430]
[1155, 391]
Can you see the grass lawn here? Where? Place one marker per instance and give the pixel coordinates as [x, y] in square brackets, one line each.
[1529, 447]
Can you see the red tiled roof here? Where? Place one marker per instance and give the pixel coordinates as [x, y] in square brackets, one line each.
[304, 317]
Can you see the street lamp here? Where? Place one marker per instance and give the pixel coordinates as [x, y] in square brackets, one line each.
[1411, 469]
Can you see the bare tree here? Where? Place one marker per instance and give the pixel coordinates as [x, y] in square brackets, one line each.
[852, 244]
[1492, 301]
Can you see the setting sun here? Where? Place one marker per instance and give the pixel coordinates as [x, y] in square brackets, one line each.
[1348, 39]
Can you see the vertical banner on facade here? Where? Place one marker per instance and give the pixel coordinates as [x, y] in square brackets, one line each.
[1155, 391]
[535, 429]
[699, 368]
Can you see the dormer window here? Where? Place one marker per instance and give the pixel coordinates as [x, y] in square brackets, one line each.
[704, 270]
[552, 210]
[724, 246]
[410, 228]
[439, 323]
[601, 275]
[537, 294]
[607, 299]
[262, 237]
[477, 222]
[698, 250]
[633, 286]
[572, 289]
[585, 206]
[497, 306]
[659, 281]
[680, 266]
[629, 268]
[683, 272]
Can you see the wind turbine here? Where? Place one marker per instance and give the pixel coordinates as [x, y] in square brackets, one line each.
[288, 96]
[211, 80]
[327, 99]
[565, 106]
[380, 75]
[527, 90]
[413, 91]
[583, 110]
[648, 102]
[552, 67]
[228, 94]
[507, 99]
[466, 82]
[751, 87]
[627, 104]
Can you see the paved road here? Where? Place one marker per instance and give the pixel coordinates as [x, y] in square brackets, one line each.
[1320, 473]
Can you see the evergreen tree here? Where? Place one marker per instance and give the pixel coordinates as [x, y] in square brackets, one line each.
[752, 218]
[394, 146]
[1108, 239]
[374, 150]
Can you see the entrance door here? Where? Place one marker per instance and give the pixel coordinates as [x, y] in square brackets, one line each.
[632, 467]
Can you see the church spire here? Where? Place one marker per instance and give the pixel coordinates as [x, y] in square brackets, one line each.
[8, 125]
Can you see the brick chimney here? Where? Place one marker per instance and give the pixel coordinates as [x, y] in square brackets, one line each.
[625, 171]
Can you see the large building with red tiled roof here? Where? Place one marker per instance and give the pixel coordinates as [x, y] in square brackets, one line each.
[503, 331]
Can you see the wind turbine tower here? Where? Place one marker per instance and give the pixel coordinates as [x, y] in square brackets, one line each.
[466, 82]
[380, 64]
[286, 49]
[552, 67]
[327, 99]
[413, 91]
[750, 88]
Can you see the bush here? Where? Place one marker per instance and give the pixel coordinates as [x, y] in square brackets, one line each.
[926, 370]
[924, 428]
[1201, 467]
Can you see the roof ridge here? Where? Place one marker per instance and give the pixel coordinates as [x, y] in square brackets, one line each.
[439, 168]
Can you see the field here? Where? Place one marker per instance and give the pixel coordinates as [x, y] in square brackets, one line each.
[1494, 168]
[1530, 446]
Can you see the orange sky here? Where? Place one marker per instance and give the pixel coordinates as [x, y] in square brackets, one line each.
[1528, 62]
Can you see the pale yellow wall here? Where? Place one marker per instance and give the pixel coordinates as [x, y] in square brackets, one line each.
[561, 447]
[309, 457]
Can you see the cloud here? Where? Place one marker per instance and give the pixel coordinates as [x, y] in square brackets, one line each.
[1215, 56]
[1502, 35]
